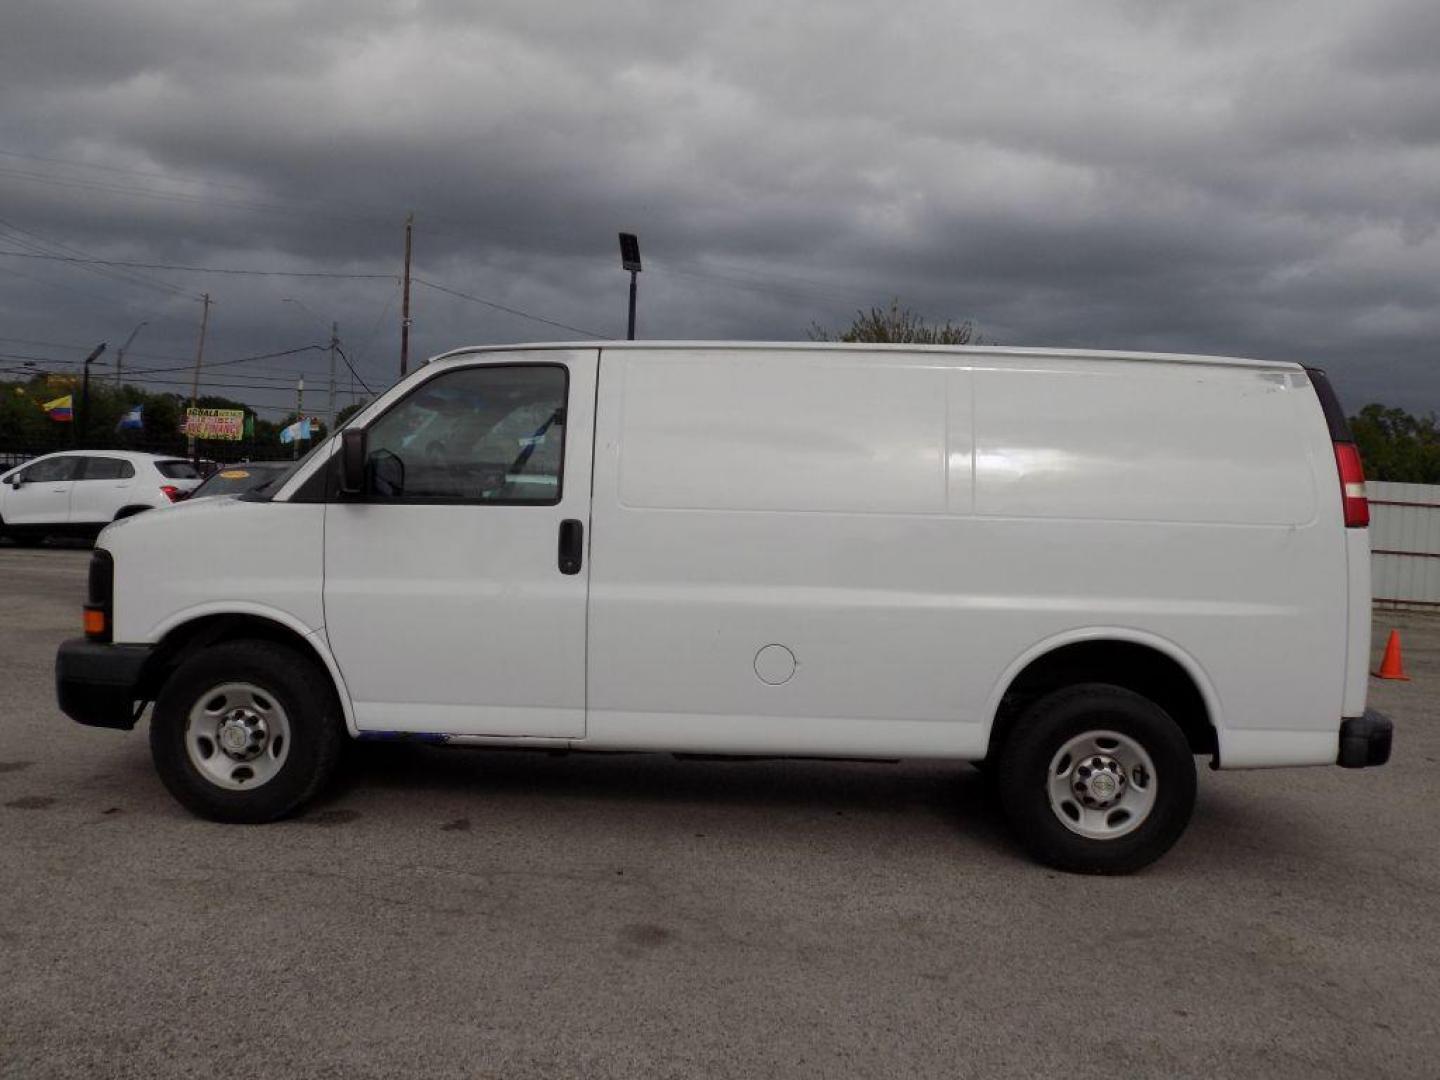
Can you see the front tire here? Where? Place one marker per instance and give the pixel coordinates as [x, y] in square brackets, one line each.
[246, 732]
[1096, 779]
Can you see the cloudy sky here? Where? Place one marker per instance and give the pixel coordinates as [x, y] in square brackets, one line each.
[1251, 177]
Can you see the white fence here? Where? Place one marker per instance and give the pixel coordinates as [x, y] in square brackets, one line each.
[1405, 544]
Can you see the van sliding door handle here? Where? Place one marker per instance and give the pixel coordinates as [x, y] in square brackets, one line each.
[572, 546]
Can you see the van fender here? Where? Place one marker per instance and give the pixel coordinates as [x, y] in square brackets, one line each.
[1126, 634]
[314, 637]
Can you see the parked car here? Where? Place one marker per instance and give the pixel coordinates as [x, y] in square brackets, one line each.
[79, 492]
[1079, 569]
[240, 478]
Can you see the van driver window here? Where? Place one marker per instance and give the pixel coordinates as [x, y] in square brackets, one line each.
[481, 434]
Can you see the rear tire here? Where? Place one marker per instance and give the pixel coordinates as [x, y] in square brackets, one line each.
[1096, 779]
[246, 732]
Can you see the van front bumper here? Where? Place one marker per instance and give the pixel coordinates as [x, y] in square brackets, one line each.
[98, 684]
[1365, 740]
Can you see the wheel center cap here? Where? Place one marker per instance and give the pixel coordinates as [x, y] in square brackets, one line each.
[234, 736]
[238, 737]
[1104, 786]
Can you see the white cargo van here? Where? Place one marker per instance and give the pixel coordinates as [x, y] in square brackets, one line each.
[1080, 569]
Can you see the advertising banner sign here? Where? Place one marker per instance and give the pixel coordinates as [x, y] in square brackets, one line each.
[214, 424]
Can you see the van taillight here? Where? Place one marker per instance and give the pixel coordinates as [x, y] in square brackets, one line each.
[1352, 485]
[100, 595]
[1347, 454]
[173, 493]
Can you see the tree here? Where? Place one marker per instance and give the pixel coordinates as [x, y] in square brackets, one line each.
[25, 428]
[349, 411]
[899, 326]
[1396, 445]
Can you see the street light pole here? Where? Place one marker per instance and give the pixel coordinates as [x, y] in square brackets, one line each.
[405, 301]
[81, 428]
[334, 343]
[120, 356]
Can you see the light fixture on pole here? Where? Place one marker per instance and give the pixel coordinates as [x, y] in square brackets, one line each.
[630, 260]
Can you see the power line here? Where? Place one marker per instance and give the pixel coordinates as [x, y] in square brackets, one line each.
[236, 360]
[370, 337]
[254, 371]
[178, 367]
[361, 211]
[201, 269]
[85, 348]
[120, 169]
[363, 385]
[153, 315]
[47, 248]
[502, 307]
[177, 382]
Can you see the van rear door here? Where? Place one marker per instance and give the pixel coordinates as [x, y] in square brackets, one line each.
[455, 591]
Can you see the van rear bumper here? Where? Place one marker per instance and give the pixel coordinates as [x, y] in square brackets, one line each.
[98, 684]
[1365, 740]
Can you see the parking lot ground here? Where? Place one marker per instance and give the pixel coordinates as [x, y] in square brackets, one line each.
[486, 913]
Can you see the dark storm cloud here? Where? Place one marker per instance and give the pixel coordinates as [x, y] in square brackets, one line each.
[1204, 176]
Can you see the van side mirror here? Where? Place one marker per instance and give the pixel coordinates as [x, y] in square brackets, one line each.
[352, 461]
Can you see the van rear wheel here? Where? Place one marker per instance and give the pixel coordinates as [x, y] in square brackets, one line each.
[1096, 779]
[246, 732]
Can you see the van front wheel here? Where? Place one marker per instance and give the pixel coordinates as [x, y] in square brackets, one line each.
[1096, 779]
[245, 732]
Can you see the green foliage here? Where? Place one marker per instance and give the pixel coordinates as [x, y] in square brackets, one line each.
[25, 427]
[349, 411]
[1397, 446]
[898, 325]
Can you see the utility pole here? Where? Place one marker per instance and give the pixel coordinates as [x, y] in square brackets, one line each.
[334, 343]
[405, 302]
[120, 356]
[199, 359]
[299, 414]
[82, 428]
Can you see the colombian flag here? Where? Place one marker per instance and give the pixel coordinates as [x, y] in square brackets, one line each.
[62, 409]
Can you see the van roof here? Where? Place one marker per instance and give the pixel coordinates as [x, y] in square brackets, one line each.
[995, 351]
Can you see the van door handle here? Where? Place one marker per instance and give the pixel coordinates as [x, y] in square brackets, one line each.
[572, 546]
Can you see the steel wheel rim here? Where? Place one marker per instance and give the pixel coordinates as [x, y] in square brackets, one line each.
[1102, 785]
[237, 736]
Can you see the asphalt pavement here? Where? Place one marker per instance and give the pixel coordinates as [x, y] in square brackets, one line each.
[464, 913]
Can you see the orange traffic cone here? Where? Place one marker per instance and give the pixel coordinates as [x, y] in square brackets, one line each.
[1391, 665]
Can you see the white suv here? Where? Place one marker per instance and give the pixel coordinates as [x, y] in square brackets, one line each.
[79, 492]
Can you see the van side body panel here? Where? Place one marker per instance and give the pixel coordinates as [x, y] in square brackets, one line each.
[910, 526]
